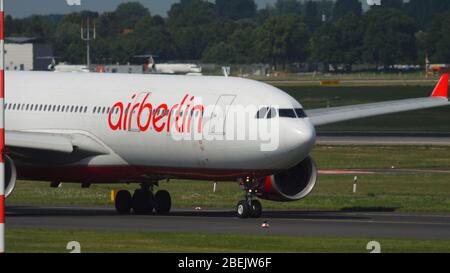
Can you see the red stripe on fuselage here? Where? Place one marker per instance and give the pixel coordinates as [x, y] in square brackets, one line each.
[120, 174]
[2, 209]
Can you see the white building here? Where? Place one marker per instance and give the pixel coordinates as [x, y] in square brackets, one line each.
[24, 53]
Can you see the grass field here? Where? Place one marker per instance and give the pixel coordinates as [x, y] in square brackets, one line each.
[437, 119]
[387, 192]
[355, 76]
[55, 241]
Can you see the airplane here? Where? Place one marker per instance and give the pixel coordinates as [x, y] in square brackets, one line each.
[171, 68]
[125, 128]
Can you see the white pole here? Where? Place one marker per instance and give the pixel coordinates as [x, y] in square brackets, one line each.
[2, 126]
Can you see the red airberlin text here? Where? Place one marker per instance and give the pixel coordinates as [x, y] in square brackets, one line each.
[143, 115]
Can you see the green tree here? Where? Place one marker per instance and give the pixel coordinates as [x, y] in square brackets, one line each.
[282, 39]
[392, 4]
[389, 37]
[311, 14]
[191, 13]
[156, 40]
[128, 14]
[344, 7]
[423, 11]
[236, 9]
[351, 32]
[108, 25]
[239, 48]
[285, 7]
[67, 42]
[325, 45]
[438, 42]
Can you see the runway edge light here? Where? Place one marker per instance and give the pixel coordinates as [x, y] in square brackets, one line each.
[2, 126]
[113, 195]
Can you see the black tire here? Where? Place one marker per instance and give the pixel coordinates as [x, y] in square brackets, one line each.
[123, 202]
[256, 209]
[243, 209]
[163, 202]
[143, 202]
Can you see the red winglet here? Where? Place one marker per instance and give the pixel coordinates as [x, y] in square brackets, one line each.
[441, 89]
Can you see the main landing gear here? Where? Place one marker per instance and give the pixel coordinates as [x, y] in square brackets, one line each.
[249, 208]
[143, 201]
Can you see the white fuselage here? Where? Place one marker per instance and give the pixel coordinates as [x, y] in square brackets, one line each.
[177, 68]
[78, 103]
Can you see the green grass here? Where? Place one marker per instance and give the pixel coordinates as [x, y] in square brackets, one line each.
[55, 241]
[356, 76]
[381, 157]
[390, 192]
[437, 119]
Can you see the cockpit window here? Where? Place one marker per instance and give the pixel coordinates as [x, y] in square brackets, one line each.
[272, 113]
[300, 113]
[286, 113]
[266, 113]
[262, 113]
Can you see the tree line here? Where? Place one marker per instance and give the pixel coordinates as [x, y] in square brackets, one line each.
[236, 32]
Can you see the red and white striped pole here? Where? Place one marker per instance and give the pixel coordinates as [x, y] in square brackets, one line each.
[2, 126]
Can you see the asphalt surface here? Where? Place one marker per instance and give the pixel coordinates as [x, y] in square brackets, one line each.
[385, 140]
[385, 171]
[294, 223]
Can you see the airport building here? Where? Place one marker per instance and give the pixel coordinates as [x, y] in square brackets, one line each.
[26, 54]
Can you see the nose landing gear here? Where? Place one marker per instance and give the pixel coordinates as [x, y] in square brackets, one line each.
[249, 208]
[143, 201]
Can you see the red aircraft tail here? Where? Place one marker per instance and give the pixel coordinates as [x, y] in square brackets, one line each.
[441, 89]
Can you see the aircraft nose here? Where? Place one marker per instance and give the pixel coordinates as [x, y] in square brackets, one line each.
[300, 137]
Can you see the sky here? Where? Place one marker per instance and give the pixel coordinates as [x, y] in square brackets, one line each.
[23, 8]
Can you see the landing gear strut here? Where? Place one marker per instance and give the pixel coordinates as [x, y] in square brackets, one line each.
[249, 208]
[143, 201]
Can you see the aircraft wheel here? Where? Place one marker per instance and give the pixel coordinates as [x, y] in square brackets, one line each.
[256, 209]
[243, 209]
[143, 202]
[163, 202]
[123, 202]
